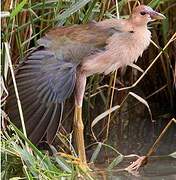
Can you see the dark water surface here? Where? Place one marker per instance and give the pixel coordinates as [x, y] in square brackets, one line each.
[157, 168]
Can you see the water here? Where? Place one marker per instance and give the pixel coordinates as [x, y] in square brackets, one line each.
[157, 168]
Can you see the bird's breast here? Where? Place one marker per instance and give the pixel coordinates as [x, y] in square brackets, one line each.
[122, 49]
[127, 47]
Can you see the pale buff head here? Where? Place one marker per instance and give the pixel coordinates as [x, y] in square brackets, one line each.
[142, 14]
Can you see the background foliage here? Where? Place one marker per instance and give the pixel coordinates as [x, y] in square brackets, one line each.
[25, 21]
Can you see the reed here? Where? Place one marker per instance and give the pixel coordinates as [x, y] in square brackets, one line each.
[25, 21]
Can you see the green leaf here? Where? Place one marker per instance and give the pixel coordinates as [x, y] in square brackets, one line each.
[74, 8]
[89, 12]
[20, 134]
[63, 165]
[122, 4]
[154, 3]
[101, 116]
[18, 9]
[143, 101]
[24, 154]
[96, 152]
[61, 161]
[165, 29]
[115, 162]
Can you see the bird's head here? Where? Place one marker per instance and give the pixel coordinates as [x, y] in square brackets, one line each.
[142, 14]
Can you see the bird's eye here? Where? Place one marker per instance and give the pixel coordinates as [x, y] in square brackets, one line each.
[142, 13]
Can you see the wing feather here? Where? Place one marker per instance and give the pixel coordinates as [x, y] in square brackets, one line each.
[44, 82]
[48, 75]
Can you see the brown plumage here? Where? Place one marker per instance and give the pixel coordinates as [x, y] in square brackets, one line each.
[64, 58]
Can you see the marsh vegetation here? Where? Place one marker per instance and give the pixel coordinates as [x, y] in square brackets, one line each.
[123, 112]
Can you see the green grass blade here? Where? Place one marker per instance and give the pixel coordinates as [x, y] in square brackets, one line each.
[115, 162]
[18, 9]
[74, 8]
[63, 165]
[89, 12]
[96, 152]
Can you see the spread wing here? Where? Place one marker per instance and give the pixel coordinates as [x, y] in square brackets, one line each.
[44, 82]
[47, 77]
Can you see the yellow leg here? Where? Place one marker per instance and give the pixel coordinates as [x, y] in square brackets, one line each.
[79, 135]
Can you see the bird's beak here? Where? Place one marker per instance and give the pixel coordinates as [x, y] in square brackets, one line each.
[156, 15]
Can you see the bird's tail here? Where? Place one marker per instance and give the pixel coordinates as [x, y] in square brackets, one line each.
[44, 82]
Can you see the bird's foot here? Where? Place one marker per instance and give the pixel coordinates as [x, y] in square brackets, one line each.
[141, 161]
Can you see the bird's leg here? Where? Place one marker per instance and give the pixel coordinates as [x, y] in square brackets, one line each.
[79, 133]
[78, 123]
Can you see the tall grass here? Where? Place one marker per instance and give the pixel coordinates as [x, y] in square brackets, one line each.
[25, 21]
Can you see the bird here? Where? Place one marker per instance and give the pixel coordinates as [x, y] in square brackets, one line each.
[59, 66]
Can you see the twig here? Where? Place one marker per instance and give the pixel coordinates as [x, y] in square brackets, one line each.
[112, 97]
[114, 82]
[155, 145]
[117, 9]
[143, 159]
[16, 91]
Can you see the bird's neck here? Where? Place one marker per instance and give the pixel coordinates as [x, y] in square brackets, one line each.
[136, 24]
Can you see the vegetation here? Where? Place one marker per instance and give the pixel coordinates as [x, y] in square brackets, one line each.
[107, 100]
